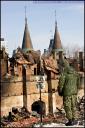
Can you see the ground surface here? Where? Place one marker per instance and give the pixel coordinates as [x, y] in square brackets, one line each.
[58, 119]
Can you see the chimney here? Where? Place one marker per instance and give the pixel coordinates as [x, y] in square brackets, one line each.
[24, 86]
[60, 54]
[81, 60]
[45, 51]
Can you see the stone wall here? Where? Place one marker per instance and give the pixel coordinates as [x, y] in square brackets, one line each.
[11, 95]
[11, 87]
[8, 102]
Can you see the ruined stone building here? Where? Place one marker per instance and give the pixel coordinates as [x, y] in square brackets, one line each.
[19, 82]
[3, 58]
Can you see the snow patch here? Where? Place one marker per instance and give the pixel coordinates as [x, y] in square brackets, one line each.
[56, 125]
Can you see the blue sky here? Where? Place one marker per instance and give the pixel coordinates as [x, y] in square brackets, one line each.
[41, 23]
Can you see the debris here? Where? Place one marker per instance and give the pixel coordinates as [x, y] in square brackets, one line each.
[23, 112]
[34, 113]
[62, 111]
[23, 118]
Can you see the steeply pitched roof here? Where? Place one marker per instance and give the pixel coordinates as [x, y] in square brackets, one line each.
[57, 41]
[23, 61]
[26, 44]
[51, 64]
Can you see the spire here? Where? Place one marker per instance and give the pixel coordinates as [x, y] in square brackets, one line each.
[26, 44]
[57, 42]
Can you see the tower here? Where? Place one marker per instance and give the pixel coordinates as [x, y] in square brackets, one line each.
[57, 46]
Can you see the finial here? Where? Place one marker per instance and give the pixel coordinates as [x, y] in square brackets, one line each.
[25, 15]
[25, 11]
[55, 15]
[55, 19]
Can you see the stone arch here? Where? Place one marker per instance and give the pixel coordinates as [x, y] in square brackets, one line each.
[39, 107]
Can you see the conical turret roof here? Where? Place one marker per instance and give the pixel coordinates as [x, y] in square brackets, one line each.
[27, 43]
[57, 41]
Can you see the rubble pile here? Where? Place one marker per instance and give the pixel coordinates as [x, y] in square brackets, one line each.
[28, 122]
[23, 118]
[81, 108]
